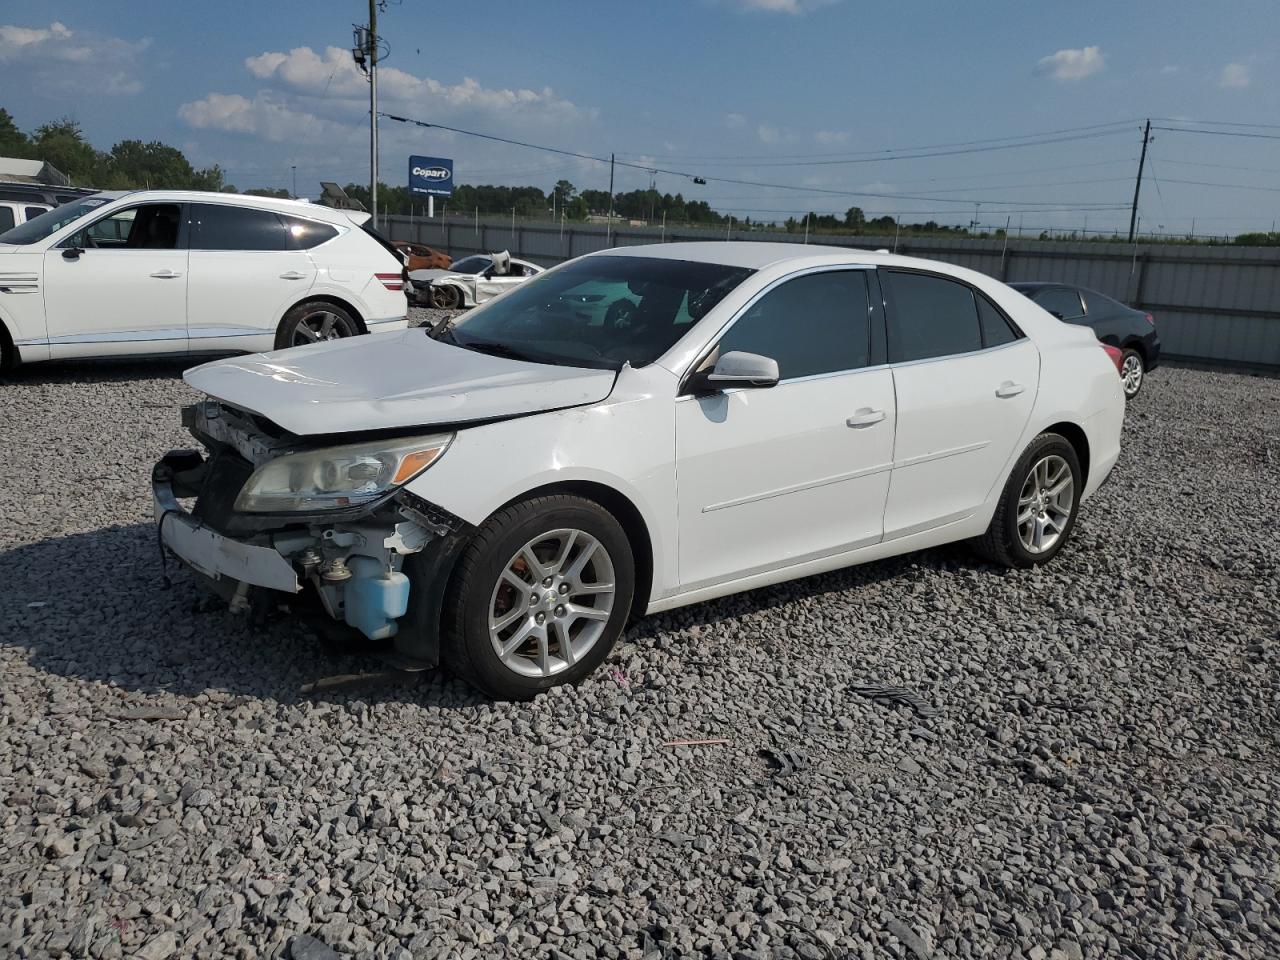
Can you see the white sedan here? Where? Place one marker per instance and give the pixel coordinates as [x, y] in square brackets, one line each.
[176, 272]
[502, 499]
[470, 281]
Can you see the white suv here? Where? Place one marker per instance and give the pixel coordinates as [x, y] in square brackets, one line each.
[175, 272]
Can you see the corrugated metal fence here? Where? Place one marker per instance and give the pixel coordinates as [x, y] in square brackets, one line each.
[1215, 304]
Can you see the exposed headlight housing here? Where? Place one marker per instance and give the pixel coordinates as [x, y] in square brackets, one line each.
[336, 477]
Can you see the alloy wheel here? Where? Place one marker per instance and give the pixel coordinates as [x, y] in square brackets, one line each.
[1045, 504]
[317, 327]
[551, 603]
[1131, 374]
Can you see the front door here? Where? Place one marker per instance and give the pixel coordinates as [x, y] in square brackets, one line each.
[775, 476]
[246, 270]
[119, 285]
[965, 380]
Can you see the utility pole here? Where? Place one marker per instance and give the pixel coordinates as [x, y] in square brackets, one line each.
[294, 168]
[365, 54]
[1137, 187]
[373, 111]
[609, 225]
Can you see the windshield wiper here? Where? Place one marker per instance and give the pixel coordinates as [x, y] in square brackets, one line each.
[495, 349]
[443, 330]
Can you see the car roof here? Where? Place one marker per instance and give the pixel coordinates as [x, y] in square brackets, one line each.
[300, 208]
[756, 255]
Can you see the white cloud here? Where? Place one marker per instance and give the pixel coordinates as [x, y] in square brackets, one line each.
[832, 136]
[334, 75]
[734, 120]
[1169, 69]
[264, 116]
[1072, 64]
[768, 134]
[793, 7]
[1234, 76]
[59, 58]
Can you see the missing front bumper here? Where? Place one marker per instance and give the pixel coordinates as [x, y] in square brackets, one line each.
[205, 550]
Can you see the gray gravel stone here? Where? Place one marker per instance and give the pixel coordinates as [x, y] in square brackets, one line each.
[1099, 777]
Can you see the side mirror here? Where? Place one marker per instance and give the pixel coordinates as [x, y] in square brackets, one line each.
[72, 253]
[736, 369]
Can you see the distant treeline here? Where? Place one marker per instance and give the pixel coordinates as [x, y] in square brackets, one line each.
[133, 164]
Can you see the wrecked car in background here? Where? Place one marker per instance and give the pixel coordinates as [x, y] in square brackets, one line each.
[470, 281]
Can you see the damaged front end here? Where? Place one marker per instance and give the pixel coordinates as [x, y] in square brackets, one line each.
[277, 516]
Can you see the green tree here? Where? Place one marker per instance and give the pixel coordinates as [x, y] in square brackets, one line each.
[13, 142]
[62, 144]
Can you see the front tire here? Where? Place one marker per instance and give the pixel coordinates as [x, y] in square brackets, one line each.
[315, 322]
[1038, 507]
[539, 598]
[446, 298]
[1132, 372]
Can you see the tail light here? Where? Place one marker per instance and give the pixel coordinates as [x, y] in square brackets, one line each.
[1150, 319]
[1116, 355]
[392, 281]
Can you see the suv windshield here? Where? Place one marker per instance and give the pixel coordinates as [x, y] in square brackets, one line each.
[598, 311]
[33, 231]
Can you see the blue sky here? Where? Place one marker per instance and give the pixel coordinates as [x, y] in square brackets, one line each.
[740, 89]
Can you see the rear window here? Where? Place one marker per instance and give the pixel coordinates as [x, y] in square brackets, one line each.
[220, 227]
[6, 218]
[306, 234]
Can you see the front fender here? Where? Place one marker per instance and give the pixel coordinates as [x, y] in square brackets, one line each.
[624, 443]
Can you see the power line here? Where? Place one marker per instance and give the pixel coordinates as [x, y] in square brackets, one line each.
[884, 157]
[1222, 133]
[929, 146]
[648, 167]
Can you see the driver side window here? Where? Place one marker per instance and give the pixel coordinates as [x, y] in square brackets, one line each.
[815, 324]
[151, 226]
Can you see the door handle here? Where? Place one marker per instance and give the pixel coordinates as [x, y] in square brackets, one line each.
[293, 275]
[166, 275]
[1009, 389]
[865, 417]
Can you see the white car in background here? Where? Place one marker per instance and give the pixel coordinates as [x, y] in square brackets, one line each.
[470, 281]
[502, 495]
[175, 272]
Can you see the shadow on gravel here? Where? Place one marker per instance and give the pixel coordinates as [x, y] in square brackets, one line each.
[122, 370]
[94, 606]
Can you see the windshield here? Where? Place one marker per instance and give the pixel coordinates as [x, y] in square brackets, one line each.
[598, 311]
[33, 231]
[471, 265]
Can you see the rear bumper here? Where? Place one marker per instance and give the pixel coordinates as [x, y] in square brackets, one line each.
[1151, 347]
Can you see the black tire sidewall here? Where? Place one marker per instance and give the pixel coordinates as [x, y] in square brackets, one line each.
[1041, 447]
[475, 588]
[288, 326]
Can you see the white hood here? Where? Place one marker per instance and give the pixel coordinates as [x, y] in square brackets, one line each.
[390, 381]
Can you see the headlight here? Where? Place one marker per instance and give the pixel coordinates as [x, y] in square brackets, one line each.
[338, 477]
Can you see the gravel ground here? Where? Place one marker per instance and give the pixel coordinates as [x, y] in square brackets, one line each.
[1092, 770]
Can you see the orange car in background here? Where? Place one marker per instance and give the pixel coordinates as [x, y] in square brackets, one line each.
[420, 257]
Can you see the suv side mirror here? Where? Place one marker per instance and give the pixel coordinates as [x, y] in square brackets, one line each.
[72, 253]
[736, 369]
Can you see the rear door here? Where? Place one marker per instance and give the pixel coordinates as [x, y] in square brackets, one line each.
[119, 285]
[248, 266]
[966, 381]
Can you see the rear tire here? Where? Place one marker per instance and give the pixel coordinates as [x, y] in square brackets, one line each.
[1133, 371]
[1034, 517]
[315, 322]
[514, 631]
